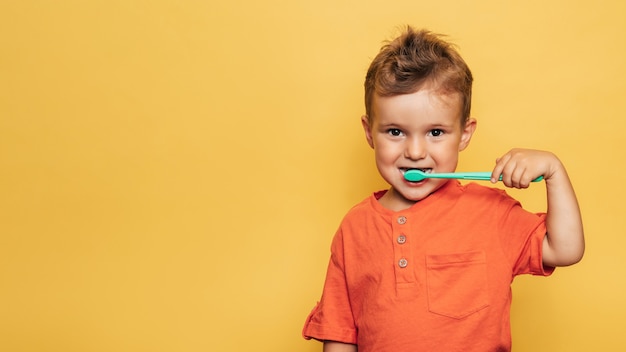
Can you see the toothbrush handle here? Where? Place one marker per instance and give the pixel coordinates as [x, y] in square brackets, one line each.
[483, 176]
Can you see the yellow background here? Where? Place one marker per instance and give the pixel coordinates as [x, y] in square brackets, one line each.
[172, 172]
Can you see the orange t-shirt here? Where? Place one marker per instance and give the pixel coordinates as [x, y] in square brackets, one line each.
[434, 277]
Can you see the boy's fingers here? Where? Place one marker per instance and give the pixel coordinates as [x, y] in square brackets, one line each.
[498, 169]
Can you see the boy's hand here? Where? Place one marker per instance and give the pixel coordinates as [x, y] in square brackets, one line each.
[519, 167]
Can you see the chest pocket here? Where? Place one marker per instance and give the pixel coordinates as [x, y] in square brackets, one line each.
[457, 284]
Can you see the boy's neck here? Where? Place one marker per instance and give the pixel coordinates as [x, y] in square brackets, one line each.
[394, 201]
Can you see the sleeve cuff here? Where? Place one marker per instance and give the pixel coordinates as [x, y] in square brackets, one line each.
[313, 329]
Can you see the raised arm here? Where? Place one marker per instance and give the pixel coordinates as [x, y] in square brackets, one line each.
[564, 243]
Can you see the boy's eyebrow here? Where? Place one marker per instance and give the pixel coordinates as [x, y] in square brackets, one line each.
[430, 125]
[442, 124]
[389, 125]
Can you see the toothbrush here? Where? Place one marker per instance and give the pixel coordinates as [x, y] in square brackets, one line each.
[415, 175]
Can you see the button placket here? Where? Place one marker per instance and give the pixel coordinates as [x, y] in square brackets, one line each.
[402, 250]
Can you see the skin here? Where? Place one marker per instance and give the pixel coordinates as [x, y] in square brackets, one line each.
[423, 130]
[332, 346]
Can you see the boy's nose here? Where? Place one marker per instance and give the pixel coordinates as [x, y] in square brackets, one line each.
[415, 149]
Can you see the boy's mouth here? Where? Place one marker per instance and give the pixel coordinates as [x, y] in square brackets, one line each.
[405, 169]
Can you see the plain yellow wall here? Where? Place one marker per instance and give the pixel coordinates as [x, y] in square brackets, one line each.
[172, 172]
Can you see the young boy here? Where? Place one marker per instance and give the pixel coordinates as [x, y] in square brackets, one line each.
[427, 266]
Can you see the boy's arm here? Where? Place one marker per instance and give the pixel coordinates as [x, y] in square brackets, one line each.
[564, 243]
[332, 346]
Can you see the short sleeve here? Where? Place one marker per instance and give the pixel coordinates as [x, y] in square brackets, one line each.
[522, 234]
[332, 318]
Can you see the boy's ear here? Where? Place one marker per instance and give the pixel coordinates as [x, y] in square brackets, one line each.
[466, 134]
[368, 130]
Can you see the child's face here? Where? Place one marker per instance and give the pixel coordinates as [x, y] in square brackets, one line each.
[420, 130]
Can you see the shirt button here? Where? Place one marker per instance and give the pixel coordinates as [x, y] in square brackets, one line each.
[401, 239]
[403, 263]
[402, 220]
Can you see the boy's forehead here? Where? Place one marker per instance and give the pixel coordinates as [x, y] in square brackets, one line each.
[437, 98]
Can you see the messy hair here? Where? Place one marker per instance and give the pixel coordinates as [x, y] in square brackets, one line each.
[413, 59]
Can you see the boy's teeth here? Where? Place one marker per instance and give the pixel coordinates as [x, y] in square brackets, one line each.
[422, 170]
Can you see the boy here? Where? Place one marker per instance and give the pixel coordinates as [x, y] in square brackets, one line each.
[427, 266]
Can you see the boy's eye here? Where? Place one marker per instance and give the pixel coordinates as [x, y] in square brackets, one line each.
[394, 132]
[436, 132]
